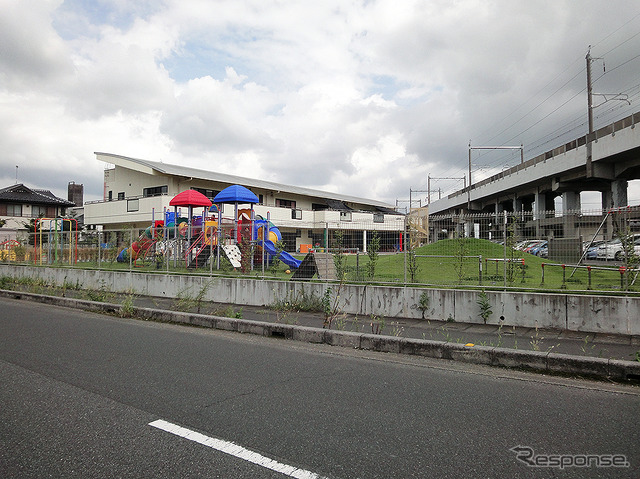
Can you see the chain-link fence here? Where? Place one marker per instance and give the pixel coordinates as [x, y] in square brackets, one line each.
[546, 251]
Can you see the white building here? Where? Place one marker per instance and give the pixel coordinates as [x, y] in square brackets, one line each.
[138, 191]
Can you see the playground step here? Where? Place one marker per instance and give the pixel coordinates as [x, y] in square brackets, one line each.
[233, 253]
[316, 263]
[200, 260]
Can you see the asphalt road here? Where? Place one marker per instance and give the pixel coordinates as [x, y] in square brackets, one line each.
[78, 392]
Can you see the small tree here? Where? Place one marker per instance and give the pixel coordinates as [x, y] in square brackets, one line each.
[372, 252]
[460, 252]
[412, 265]
[513, 254]
[245, 250]
[339, 258]
[275, 260]
[628, 255]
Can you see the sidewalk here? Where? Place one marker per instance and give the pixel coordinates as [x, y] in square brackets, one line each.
[573, 343]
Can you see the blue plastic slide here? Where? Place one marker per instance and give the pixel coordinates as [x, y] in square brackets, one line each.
[283, 256]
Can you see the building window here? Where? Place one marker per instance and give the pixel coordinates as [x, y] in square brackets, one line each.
[280, 203]
[38, 211]
[345, 216]
[378, 217]
[110, 197]
[261, 199]
[13, 210]
[121, 195]
[211, 194]
[296, 214]
[155, 191]
[132, 205]
[288, 241]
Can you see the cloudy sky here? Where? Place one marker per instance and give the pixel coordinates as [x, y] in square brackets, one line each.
[364, 97]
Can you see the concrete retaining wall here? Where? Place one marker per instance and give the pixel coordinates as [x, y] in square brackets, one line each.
[587, 313]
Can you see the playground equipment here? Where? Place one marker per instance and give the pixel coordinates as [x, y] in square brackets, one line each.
[265, 229]
[209, 236]
[55, 240]
[140, 248]
[7, 250]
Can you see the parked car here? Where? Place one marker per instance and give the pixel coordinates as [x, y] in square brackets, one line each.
[592, 249]
[636, 249]
[543, 252]
[613, 249]
[532, 246]
[537, 248]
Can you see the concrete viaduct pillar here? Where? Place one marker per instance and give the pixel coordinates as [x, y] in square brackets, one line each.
[570, 212]
[570, 202]
[619, 193]
[616, 197]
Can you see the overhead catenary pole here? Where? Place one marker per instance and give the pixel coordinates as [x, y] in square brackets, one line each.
[590, 106]
[589, 91]
[589, 165]
[469, 190]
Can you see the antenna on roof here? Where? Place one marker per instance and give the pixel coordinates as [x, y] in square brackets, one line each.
[16, 174]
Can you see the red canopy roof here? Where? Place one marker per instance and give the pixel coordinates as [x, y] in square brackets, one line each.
[190, 198]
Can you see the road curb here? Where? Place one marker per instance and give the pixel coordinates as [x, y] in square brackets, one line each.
[539, 361]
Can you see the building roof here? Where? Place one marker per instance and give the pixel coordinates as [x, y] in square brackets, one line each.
[154, 168]
[20, 193]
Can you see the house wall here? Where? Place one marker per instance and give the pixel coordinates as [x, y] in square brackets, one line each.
[133, 183]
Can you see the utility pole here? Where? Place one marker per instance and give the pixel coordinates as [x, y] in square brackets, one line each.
[469, 190]
[589, 92]
[589, 165]
[591, 106]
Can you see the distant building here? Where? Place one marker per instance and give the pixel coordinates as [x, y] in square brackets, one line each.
[19, 203]
[75, 193]
[137, 191]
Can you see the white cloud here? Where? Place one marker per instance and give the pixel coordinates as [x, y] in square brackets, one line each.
[367, 98]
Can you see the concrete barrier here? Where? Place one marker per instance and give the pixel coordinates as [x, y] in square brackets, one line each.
[586, 313]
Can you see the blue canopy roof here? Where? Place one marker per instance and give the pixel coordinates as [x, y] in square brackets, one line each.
[236, 194]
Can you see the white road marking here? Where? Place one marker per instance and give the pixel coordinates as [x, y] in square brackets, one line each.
[234, 450]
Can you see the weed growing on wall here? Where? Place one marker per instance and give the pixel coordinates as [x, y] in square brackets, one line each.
[485, 306]
[423, 303]
[127, 309]
[298, 302]
[187, 302]
[377, 324]
[101, 295]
